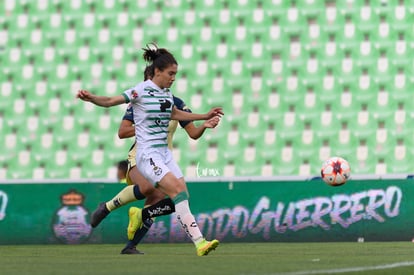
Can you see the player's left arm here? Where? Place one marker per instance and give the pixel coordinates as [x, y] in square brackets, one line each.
[195, 132]
[182, 115]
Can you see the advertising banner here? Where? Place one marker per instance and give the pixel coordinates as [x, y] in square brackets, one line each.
[239, 211]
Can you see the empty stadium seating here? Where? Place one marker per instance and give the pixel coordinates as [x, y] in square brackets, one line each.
[299, 81]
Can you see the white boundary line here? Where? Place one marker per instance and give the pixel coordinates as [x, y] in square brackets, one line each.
[350, 269]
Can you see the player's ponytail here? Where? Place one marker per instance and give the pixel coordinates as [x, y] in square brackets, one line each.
[159, 58]
[151, 52]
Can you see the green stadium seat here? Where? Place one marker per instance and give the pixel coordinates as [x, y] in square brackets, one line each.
[400, 159]
[54, 171]
[230, 146]
[288, 74]
[10, 145]
[248, 168]
[4, 172]
[268, 151]
[188, 154]
[286, 168]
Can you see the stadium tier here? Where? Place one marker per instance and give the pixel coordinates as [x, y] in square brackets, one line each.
[299, 81]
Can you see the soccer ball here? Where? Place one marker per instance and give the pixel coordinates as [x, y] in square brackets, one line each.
[335, 171]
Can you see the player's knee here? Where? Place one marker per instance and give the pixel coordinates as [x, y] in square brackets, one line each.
[146, 188]
[137, 193]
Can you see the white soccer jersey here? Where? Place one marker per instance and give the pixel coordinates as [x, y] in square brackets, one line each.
[152, 109]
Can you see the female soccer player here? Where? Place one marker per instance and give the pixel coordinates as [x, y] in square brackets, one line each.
[126, 131]
[156, 203]
[153, 108]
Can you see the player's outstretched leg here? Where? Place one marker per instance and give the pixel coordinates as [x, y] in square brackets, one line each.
[99, 214]
[128, 194]
[204, 247]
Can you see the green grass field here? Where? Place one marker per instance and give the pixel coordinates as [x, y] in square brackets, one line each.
[229, 258]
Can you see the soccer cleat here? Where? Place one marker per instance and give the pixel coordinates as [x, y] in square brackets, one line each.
[135, 221]
[131, 250]
[205, 247]
[99, 214]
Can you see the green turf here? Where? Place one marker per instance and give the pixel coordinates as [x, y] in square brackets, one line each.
[229, 258]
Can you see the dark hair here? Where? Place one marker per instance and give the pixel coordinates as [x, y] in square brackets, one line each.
[148, 72]
[123, 165]
[159, 58]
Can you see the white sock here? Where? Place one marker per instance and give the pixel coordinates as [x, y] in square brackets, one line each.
[188, 222]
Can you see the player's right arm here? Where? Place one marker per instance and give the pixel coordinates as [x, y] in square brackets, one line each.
[103, 101]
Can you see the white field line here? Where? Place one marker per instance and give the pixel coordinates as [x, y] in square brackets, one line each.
[350, 269]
